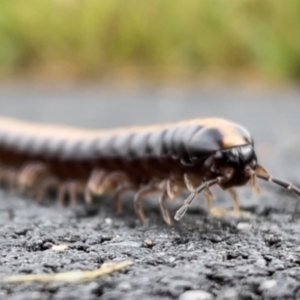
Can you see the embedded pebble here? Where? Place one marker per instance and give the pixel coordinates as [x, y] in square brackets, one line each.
[260, 262]
[108, 221]
[172, 259]
[229, 294]
[196, 295]
[59, 248]
[268, 284]
[148, 243]
[124, 286]
[243, 226]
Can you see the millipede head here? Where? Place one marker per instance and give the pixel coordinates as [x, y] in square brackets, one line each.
[236, 161]
[234, 167]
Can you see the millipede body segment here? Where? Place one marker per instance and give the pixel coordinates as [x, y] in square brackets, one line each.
[164, 159]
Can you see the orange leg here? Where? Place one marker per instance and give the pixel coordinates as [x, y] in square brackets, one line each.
[139, 197]
[46, 185]
[164, 211]
[118, 194]
[68, 189]
[236, 204]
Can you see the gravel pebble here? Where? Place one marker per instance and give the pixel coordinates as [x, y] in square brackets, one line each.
[196, 295]
[267, 284]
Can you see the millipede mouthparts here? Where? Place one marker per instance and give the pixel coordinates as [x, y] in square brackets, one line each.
[166, 159]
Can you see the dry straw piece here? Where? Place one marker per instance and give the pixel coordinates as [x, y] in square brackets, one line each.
[73, 276]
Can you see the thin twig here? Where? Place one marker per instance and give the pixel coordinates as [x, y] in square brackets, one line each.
[73, 276]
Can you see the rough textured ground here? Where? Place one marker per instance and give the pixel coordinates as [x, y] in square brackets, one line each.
[251, 258]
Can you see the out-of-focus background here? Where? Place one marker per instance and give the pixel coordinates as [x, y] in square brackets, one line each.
[77, 39]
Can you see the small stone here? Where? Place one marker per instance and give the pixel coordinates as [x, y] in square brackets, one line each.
[108, 221]
[172, 259]
[47, 245]
[290, 258]
[268, 284]
[229, 294]
[261, 263]
[243, 226]
[124, 286]
[277, 264]
[215, 238]
[92, 286]
[59, 248]
[196, 295]
[148, 243]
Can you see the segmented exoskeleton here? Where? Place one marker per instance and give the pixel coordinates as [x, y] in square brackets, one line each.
[164, 159]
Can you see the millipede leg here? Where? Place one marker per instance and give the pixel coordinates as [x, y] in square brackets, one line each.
[214, 211]
[70, 189]
[164, 211]
[207, 202]
[96, 179]
[205, 186]
[191, 181]
[73, 189]
[46, 185]
[236, 202]
[30, 176]
[11, 180]
[173, 187]
[139, 196]
[88, 196]
[170, 188]
[113, 178]
[102, 182]
[8, 178]
[94, 185]
[62, 193]
[117, 196]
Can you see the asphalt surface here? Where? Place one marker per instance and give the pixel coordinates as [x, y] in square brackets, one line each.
[254, 257]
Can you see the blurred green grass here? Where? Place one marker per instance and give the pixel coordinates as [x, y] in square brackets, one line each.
[91, 37]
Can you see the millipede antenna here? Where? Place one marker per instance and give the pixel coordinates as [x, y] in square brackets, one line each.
[283, 184]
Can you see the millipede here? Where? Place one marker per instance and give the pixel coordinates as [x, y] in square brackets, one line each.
[167, 159]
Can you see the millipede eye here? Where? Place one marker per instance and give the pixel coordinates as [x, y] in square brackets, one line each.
[208, 163]
[218, 155]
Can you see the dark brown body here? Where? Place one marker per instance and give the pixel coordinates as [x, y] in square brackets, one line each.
[162, 158]
[141, 152]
